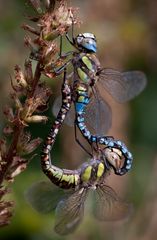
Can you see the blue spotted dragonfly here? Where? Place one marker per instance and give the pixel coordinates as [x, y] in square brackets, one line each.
[87, 69]
[68, 189]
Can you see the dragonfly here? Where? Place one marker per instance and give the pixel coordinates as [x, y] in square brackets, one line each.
[122, 86]
[67, 192]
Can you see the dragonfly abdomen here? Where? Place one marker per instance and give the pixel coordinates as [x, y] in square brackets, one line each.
[63, 178]
[82, 100]
[58, 176]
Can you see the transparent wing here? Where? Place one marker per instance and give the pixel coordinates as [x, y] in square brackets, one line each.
[70, 117]
[122, 86]
[69, 212]
[98, 117]
[44, 196]
[108, 206]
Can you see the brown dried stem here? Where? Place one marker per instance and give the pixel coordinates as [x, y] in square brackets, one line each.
[11, 153]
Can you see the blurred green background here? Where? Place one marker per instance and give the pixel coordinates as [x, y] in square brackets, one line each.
[127, 37]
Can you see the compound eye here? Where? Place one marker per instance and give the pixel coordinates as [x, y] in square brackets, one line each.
[79, 39]
[114, 157]
[80, 35]
[90, 41]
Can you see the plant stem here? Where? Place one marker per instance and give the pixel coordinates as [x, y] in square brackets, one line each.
[11, 153]
[17, 130]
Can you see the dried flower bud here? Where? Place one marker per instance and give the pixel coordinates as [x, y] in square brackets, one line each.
[44, 93]
[58, 22]
[48, 53]
[36, 119]
[34, 49]
[28, 72]
[16, 169]
[30, 29]
[16, 101]
[26, 145]
[31, 105]
[19, 77]
[32, 145]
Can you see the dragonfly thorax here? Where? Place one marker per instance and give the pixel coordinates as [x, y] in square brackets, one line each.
[86, 42]
[86, 66]
[92, 173]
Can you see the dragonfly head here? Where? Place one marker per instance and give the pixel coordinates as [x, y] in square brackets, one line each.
[115, 158]
[86, 42]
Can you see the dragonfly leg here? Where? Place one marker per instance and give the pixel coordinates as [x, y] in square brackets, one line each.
[72, 42]
[80, 144]
[94, 150]
[95, 147]
[61, 47]
[72, 32]
[62, 56]
[61, 69]
[64, 78]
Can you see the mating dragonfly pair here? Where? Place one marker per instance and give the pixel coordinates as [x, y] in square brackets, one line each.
[91, 112]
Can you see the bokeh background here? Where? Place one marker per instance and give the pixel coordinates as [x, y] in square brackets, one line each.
[126, 32]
